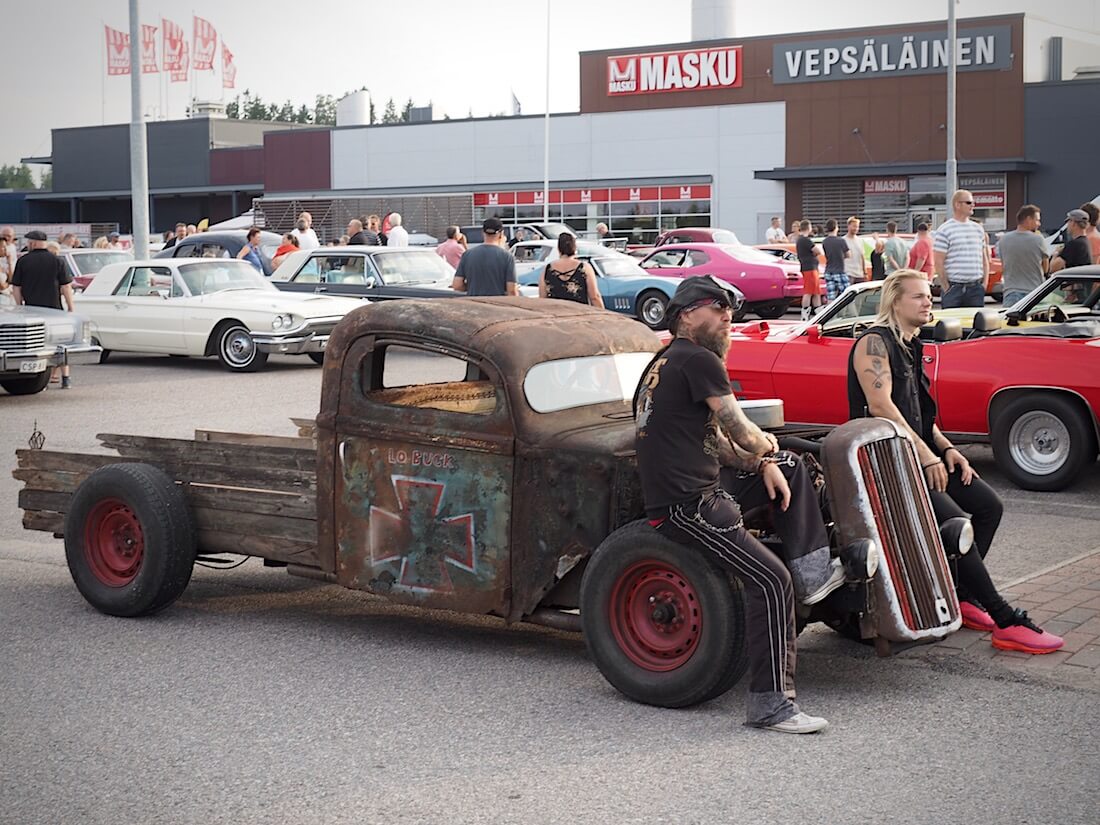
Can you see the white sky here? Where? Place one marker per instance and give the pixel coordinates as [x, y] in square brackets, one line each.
[449, 53]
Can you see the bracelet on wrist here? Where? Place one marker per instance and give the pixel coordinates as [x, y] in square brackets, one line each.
[931, 464]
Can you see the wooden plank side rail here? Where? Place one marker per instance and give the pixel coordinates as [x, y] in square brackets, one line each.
[189, 451]
[245, 497]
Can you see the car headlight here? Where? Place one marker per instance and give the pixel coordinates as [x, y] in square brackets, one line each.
[278, 322]
[860, 559]
[61, 332]
[958, 536]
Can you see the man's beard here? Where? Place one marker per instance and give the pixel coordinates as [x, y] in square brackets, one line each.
[716, 340]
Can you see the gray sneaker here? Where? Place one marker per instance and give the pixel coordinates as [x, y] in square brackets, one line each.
[66, 382]
[800, 723]
[836, 579]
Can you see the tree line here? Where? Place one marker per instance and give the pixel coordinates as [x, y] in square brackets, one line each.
[21, 177]
[247, 106]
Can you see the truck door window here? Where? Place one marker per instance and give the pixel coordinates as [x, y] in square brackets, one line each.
[450, 383]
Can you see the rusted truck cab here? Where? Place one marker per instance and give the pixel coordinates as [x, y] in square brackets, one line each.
[481, 491]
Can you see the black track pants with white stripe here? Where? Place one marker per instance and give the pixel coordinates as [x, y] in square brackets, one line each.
[713, 525]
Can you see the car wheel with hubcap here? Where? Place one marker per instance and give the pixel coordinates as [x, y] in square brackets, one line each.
[662, 622]
[129, 539]
[1042, 441]
[651, 309]
[237, 349]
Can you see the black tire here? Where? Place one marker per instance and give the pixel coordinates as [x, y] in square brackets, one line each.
[27, 386]
[236, 349]
[104, 354]
[650, 308]
[772, 309]
[1042, 441]
[317, 357]
[129, 540]
[706, 619]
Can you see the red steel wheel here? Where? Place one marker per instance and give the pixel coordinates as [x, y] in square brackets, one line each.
[129, 539]
[655, 616]
[113, 542]
[663, 622]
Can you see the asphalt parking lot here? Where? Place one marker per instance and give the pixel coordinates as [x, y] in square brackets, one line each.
[263, 698]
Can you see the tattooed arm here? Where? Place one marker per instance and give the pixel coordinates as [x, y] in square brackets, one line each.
[872, 365]
[730, 455]
[739, 429]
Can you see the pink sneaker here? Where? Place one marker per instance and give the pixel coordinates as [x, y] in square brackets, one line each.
[1025, 636]
[975, 618]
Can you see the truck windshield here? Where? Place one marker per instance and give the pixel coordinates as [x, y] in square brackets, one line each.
[578, 382]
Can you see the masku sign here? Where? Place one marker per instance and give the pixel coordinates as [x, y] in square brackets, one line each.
[683, 71]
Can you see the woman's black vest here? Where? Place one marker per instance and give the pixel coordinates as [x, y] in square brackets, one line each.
[574, 287]
[909, 386]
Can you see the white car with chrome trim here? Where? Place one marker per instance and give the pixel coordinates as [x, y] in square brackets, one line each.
[203, 307]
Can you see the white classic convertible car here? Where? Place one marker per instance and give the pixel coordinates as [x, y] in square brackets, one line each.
[206, 307]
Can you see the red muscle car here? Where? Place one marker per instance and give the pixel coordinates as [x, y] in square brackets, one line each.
[1032, 391]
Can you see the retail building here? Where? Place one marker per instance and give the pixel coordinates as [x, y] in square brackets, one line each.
[720, 132]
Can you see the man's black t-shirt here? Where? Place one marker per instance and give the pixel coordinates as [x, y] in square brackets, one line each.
[40, 275]
[804, 247]
[1076, 252]
[836, 249]
[676, 433]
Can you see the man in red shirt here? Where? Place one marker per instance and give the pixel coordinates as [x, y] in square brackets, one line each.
[920, 256]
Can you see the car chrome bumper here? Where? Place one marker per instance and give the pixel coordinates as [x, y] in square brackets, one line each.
[59, 356]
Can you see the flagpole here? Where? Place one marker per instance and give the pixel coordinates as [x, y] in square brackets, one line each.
[139, 166]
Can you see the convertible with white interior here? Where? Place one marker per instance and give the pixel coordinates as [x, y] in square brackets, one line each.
[204, 307]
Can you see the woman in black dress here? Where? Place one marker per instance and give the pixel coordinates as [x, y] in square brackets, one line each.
[878, 265]
[568, 278]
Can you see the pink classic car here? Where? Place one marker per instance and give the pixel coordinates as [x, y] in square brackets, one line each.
[769, 285]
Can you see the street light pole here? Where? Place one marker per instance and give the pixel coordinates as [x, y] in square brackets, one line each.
[546, 130]
[139, 165]
[952, 171]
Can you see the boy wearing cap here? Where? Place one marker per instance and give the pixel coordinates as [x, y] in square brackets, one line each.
[41, 280]
[700, 459]
[487, 269]
[1075, 251]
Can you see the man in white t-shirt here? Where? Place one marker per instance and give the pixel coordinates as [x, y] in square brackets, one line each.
[962, 256]
[775, 233]
[855, 264]
[303, 231]
[397, 236]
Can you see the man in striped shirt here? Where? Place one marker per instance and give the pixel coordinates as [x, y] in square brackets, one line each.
[962, 256]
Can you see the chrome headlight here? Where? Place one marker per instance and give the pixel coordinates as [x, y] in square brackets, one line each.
[860, 559]
[61, 332]
[279, 321]
[958, 536]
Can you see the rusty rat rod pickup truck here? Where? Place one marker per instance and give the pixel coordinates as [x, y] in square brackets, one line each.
[506, 484]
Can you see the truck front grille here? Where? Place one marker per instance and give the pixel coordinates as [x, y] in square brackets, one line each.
[22, 337]
[908, 532]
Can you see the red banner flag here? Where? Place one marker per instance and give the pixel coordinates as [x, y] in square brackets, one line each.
[149, 49]
[118, 52]
[204, 45]
[229, 69]
[173, 44]
[180, 72]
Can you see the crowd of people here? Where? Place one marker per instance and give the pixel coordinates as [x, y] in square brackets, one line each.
[34, 275]
[957, 255]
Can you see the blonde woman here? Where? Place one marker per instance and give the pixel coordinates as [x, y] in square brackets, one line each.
[5, 268]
